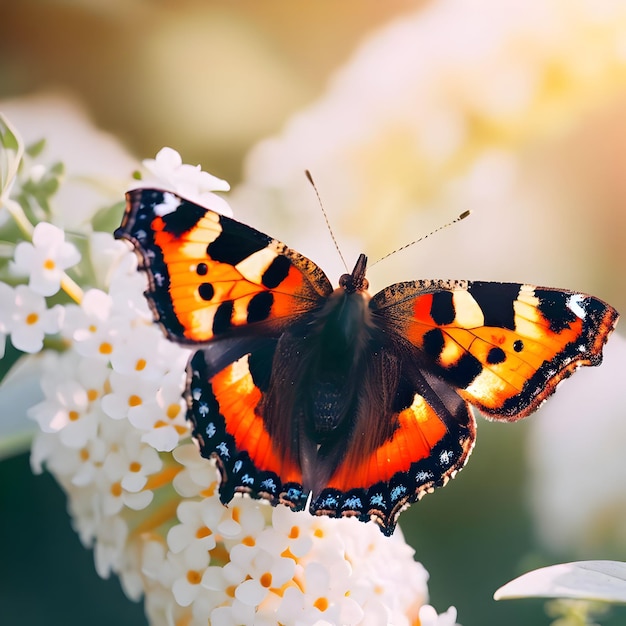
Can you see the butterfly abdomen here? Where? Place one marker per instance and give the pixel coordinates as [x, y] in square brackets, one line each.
[318, 382]
[316, 367]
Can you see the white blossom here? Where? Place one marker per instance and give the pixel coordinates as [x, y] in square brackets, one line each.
[429, 617]
[45, 259]
[31, 320]
[95, 332]
[171, 174]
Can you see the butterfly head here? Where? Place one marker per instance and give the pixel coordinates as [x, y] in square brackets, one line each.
[355, 282]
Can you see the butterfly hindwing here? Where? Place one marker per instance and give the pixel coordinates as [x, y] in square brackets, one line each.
[431, 441]
[210, 276]
[504, 346]
[222, 408]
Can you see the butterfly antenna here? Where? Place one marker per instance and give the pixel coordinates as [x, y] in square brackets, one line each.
[404, 247]
[330, 230]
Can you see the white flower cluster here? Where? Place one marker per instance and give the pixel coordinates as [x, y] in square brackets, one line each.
[113, 434]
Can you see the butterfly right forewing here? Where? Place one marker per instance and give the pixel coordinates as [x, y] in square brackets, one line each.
[503, 346]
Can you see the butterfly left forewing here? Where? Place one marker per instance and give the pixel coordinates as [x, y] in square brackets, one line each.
[503, 346]
[210, 276]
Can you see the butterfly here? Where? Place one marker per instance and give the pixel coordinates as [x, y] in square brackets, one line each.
[350, 404]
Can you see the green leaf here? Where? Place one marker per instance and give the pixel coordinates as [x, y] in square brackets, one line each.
[17, 443]
[9, 137]
[603, 581]
[106, 220]
[35, 149]
[41, 191]
[57, 169]
[11, 152]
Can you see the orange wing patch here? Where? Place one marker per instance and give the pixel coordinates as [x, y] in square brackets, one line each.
[423, 453]
[222, 407]
[237, 397]
[262, 287]
[419, 431]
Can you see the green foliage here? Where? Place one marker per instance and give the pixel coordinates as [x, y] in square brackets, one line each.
[576, 612]
[108, 218]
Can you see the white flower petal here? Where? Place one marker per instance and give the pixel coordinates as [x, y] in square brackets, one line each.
[47, 236]
[167, 158]
[250, 592]
[27, 339]
[24, 257]
[138, 501]
[603, 581]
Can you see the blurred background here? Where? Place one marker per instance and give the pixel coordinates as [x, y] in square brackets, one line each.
[407, 113]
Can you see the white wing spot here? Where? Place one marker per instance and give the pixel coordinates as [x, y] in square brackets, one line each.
[169, 205]
[574, 304]
[445, 457]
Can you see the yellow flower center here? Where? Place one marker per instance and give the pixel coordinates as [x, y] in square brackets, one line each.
[193, 577]
[105, 348]
[140, 365]
[32, 318]
[203, 532]
[288, 554]
[134, 400]
[49, 264]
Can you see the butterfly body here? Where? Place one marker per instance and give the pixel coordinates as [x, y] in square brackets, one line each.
[362, 403]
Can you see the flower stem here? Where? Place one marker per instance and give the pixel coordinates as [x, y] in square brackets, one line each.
[72, 288]
[17, 213]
